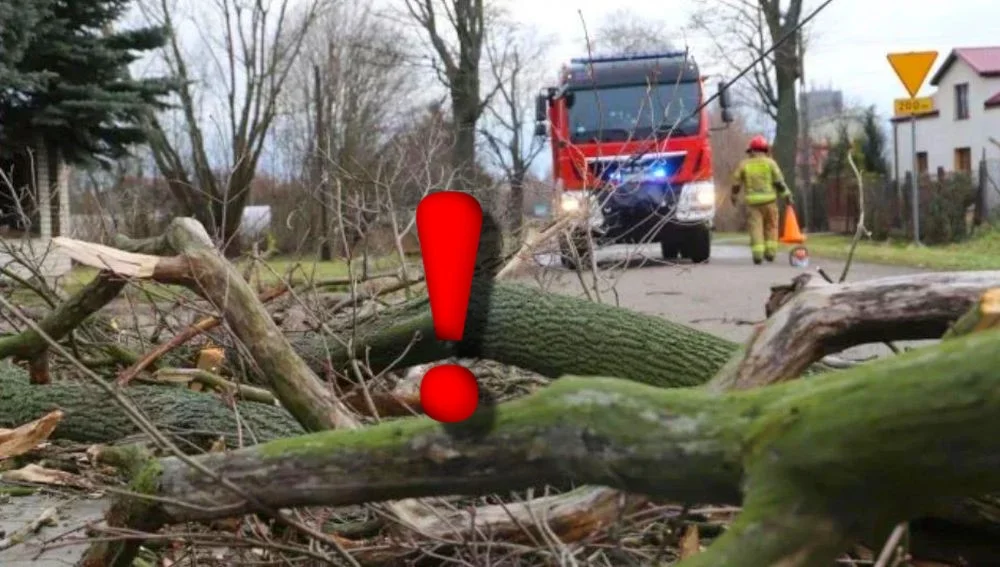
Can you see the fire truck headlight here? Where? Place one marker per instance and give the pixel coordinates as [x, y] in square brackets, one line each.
[703, 192]
[658, 172]
[572, 201]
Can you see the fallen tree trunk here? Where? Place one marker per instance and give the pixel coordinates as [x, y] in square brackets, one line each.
[547, 333]
[823, 462]
[522, 317]
[553, 348]
[553, 334]
[600, 337]
[827, 319]
[183, 414]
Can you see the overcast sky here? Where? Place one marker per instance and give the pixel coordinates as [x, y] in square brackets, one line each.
[849, 40]
[850, 37]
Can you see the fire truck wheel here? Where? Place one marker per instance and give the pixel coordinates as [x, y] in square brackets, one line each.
[669, 249]
[699, 245]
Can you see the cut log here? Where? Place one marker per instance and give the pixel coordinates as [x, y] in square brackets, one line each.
[184, 414]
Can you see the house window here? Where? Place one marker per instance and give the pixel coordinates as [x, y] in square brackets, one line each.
[962, 101]
[963, 160]
[922, 163]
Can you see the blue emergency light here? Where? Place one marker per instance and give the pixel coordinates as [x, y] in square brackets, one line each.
[655, 170]
[639, 56]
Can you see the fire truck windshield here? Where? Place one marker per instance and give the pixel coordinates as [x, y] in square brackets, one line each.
[611, 114]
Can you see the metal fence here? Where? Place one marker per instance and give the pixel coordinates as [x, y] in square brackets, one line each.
[950, 204]
[989, 187]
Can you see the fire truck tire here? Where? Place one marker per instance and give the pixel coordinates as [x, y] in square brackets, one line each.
[699, 245]
[669, 249]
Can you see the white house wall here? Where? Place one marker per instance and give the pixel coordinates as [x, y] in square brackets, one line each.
[939, 136]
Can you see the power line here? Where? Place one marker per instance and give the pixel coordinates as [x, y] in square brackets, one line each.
[639, 154]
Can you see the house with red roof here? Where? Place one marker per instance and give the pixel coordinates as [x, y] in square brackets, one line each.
[965, 123]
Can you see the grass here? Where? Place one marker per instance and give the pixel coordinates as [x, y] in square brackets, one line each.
[730, 238]
[311, 269]
[298, 270]
[981, 252]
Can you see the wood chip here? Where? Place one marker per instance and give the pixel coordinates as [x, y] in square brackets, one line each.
[40, 475]
[108, 258]
[14, 442]
[211, 359]
[690, 542]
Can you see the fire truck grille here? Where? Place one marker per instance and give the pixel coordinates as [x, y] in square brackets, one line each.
[615, 170]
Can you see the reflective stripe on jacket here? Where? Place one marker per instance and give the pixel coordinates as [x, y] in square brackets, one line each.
[757, 176]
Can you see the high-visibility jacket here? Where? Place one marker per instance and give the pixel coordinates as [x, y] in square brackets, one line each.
[758, 176]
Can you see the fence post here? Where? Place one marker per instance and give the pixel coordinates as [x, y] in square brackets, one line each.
[907, 198]
[979, 212]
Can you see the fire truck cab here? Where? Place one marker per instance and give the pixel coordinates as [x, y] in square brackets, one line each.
[630, 153]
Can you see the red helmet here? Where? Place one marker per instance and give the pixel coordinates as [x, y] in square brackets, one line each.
[758, 144]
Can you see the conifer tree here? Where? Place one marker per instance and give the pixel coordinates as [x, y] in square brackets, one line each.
[873, 145]
[65, 81]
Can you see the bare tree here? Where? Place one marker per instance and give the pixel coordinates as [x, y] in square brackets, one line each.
[625, 31]
[516, 58]
[743, 30]
[362, 83]
[457, 62]
[246, 51]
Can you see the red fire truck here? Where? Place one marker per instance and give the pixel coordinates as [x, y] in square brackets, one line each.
[630, 153]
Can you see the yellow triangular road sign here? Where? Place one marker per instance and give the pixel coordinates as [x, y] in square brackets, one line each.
[912, 68]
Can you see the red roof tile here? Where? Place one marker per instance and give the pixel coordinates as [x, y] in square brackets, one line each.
[984, 60]
[993, 101]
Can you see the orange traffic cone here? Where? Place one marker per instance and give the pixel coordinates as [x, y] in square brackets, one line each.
[791, 234]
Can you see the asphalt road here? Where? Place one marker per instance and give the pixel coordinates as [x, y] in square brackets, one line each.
[720, 297]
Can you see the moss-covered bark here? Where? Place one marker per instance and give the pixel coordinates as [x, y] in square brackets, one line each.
[91, 417]
[697, 442]
[823, 461]
[831, 318]
[544, 332]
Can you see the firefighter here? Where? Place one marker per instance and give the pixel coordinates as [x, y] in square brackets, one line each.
[759, 176]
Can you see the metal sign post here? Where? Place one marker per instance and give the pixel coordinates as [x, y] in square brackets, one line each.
[914, 184]
[912, 68]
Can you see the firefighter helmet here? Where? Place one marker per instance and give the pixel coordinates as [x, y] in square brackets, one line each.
[758, 144]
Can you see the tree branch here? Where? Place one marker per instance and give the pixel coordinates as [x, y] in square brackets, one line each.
[826, 319]
[693, 445]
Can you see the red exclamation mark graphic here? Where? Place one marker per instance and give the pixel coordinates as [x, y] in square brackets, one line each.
[449, 224]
